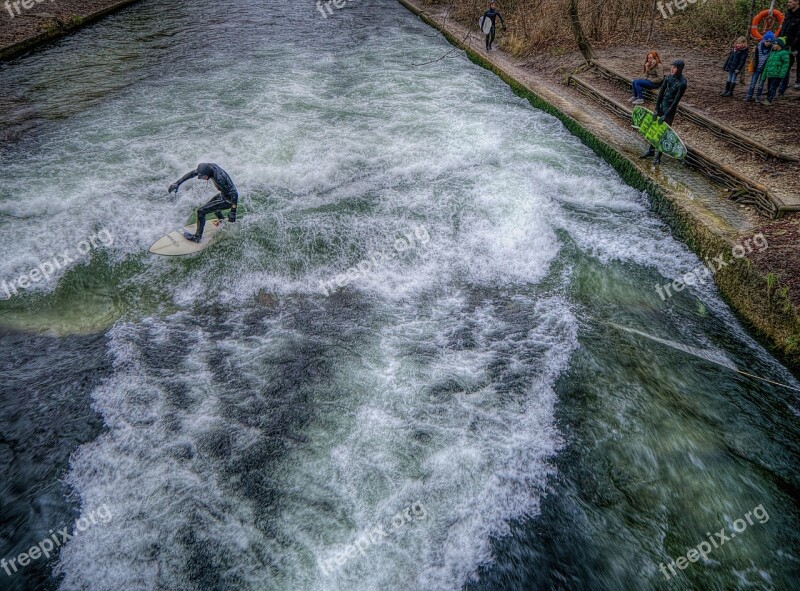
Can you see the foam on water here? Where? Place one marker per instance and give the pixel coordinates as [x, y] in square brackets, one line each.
[249, 443]
[393, 418]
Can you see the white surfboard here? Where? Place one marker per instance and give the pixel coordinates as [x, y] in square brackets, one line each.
[485, 23]
[174, 244]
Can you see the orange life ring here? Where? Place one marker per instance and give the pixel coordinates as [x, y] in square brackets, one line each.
[754, 32]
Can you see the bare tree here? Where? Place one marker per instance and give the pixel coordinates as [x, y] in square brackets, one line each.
[577, 31]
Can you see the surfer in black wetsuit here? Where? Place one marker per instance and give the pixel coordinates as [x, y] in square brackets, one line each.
[672, 89]
[493, 14]
[227, 198]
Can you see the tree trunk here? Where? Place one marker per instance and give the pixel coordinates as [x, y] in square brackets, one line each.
[577, 31]
[750, 19]
[652, 21]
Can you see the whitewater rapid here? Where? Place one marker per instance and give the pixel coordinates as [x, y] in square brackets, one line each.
[256, 426]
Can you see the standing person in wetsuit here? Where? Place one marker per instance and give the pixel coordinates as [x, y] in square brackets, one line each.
[671, 93]
[493, 14]
[227, 198]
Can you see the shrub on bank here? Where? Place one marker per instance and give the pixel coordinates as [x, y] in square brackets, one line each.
[716, 21]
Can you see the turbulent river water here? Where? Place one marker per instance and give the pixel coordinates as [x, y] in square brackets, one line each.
[406, 366]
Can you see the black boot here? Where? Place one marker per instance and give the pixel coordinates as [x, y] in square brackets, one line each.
[201, 223]
[650, 152]
[727, 91]
[192, 237]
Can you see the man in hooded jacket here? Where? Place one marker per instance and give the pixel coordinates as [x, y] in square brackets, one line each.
[227, 198]
[672, 89]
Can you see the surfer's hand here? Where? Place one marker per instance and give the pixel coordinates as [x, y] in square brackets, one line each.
[232, 215]
[173, 188]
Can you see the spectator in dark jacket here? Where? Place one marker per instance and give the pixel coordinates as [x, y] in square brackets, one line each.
[776, 68]
[736, 61]
[672, 89]
[791, 30]
[760, 56]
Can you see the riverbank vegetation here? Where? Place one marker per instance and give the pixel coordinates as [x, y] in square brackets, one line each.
[535, 25]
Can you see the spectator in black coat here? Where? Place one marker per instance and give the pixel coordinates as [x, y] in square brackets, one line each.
[791, 30]
[736, 61]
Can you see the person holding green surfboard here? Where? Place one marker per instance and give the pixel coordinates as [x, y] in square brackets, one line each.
[672, 90]
[492, 14]
[227, 198]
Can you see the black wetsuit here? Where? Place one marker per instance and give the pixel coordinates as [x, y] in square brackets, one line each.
[492, 14]
[227, 198]
[672, 89]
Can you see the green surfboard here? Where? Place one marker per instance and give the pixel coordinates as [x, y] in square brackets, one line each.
[659, 135]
